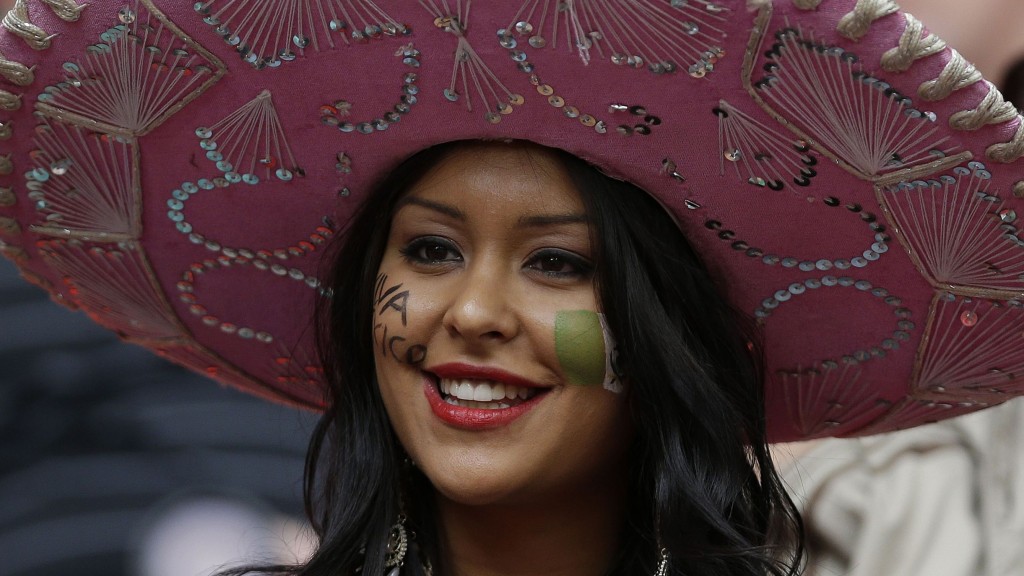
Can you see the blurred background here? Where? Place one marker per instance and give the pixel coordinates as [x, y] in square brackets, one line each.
[115, 463]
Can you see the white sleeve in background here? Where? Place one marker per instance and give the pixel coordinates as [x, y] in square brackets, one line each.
[940, 500]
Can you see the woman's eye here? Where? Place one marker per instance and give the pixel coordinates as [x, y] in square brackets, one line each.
[560, 264]
[430, 251]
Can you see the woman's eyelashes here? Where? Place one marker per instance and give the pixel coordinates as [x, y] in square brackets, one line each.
[435, 251]
[431, 251]
[557, 263]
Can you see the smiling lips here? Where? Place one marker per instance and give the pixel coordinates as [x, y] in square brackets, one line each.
[478, 398]
[483, 394]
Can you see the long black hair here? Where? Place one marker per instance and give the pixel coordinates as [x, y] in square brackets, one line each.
[703, 486]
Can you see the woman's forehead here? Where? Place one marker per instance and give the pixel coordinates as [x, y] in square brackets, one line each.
[517, 177]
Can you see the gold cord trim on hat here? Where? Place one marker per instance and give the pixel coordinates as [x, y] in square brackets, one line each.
[994, 109]
[9, 102]
[66, 10]
[1010, 151]
[856, 24]
[914, 45]
[15, 72]
[807, 4]
[17, 22]
[958, 74]
[9, 226]
[14, 253]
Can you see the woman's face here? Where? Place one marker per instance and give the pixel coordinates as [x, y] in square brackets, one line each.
[491, 356]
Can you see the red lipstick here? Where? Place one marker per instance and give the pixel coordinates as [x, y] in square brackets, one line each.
[476, 418]
[460, 371]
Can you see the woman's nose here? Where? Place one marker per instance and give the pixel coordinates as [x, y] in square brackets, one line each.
[481, 308]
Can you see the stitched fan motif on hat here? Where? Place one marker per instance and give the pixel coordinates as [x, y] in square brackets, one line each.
[267, 33]
[115, 286]
[639, 34]
[662, 37]
[963, 235]
[137, 75]
[858, 119]
[472, 79]
[840, 389]
[973, 349]
[759, 153]
[85, 183]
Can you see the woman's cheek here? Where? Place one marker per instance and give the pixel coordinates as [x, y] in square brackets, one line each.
[391, 319]
[586, 350]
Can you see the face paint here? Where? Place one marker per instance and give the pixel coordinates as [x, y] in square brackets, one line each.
[389, 302]
[586, 349]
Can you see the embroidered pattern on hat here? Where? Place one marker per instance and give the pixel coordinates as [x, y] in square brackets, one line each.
[759, 153]
[660, 36]
[856, 117]
[141, 72]
[961, 234]
[85, 183]
[115, 286]
[839, 388]
[266, 33]
[972, 349]
[472, 79]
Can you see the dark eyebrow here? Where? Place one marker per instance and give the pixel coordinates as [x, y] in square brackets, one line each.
[445, 209]
[553, 220]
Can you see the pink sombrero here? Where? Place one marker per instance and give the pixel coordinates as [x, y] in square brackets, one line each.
[175, 169]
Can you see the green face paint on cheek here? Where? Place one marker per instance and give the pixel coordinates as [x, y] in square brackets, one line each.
[579, 343]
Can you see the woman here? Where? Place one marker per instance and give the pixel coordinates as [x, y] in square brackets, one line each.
[493, 259]
[863, 218]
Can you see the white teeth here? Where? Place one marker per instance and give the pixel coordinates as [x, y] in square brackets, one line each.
[484, 391]
[477, 405]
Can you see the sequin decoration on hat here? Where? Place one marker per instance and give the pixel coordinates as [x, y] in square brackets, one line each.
[175, 170]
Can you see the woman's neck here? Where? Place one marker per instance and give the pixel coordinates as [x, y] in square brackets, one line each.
[569, 534]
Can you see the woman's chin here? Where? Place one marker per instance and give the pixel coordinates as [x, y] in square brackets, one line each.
[481, 485]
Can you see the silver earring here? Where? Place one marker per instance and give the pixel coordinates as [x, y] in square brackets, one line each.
[398, 544]
[663, 564]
